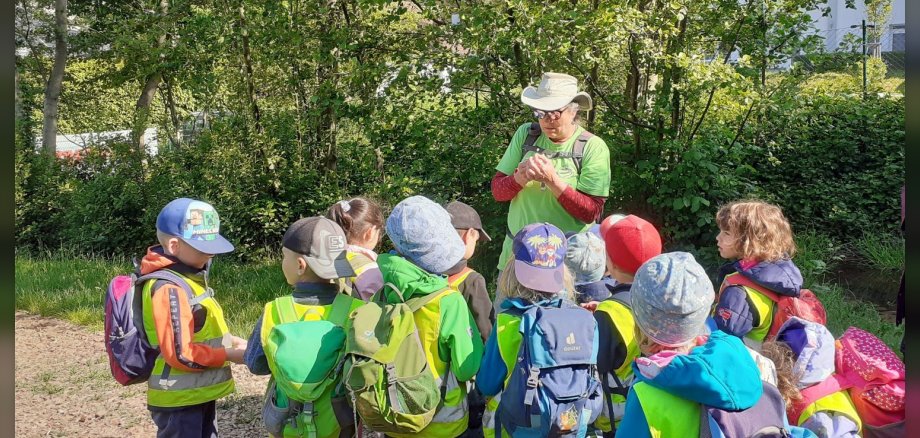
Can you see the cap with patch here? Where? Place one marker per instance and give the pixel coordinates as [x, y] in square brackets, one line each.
[464, 217]
[196, 223]
[323, 244]
[539, 253]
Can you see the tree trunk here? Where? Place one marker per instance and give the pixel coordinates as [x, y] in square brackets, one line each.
[248, 71]
[174, 133]
[55, 79]
[16, 98]
[142, 108]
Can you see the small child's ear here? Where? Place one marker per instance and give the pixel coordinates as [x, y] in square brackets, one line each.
[301, 265]
[172, 246]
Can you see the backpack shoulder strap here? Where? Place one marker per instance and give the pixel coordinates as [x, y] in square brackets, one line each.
[418, 303]
[737, 279]
[814, 393]
[341, 307]
[454, 280]
[172, 277]
[286, 311]
[578, 149]
[533, 133]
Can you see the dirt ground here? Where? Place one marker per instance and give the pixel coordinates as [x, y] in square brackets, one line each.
[64, 388]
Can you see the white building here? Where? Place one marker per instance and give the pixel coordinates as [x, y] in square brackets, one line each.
[842, 21]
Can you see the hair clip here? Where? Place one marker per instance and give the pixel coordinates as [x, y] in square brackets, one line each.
[345, 206]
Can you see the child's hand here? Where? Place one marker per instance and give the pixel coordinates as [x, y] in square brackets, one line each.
[590, 305]
[235, 355]
[238, 342]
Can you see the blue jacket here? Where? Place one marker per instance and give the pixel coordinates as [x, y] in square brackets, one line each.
[733, 313]
[490, 379]
[719, 373]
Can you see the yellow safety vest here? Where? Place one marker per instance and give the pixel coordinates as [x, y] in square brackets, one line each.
[327, 425]
[762, 309]
[667, 415]
[625, 324]
[169, 387]
[838, 402]
[508, 339]
[453, 415]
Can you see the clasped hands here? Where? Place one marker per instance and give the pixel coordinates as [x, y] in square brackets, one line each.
[536, 168]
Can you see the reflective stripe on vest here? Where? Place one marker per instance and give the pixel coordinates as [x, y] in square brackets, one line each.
[169, 387]
[451, 416]
[763, 308]
[838, 402]
[667, 415]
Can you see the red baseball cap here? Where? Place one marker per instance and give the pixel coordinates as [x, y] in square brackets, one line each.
[630, 242]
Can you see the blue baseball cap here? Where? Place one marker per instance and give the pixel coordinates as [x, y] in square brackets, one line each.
[196, 223]
[539, 257]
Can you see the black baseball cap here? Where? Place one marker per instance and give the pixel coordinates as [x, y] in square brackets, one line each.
[464, 217]
[323, 245]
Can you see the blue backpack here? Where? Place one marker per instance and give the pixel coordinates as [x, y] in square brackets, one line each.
[766, 419]
[553, 389]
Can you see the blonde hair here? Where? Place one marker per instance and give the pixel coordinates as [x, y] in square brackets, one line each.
[761, 230]
[786, 378]
[509, 284]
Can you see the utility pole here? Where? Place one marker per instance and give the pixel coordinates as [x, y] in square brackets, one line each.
[864, 57]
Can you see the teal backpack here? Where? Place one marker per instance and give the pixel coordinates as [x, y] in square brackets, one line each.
[305, 358]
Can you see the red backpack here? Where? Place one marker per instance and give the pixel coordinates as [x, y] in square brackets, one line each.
[874, 378]
[805, 306]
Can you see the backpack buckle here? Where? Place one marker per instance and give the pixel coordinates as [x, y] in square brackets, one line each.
[533, 378]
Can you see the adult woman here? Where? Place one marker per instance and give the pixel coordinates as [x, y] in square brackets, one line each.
[552, 171]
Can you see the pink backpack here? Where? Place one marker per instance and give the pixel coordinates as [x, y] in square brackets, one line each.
[874, 376]
[806, 306]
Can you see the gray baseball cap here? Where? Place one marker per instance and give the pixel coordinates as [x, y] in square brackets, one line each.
[323, 245]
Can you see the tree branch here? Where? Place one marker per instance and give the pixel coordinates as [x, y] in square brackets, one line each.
[603, 96]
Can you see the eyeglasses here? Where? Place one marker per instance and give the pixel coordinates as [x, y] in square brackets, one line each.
[552, 115]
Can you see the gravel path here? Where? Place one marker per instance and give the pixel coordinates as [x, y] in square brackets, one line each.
[64, 388]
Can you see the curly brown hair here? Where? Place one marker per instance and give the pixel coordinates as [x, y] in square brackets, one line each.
[762, 231]
[786, 378]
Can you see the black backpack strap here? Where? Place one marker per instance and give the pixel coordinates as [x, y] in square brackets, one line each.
[529, 145]
[578, 149]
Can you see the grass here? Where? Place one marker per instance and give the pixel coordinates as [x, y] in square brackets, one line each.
[882, 251]
[72, 288]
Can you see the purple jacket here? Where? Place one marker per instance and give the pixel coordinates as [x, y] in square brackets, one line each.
[734, 313]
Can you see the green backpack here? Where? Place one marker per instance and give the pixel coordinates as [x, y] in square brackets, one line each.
[386, 373]
[302, 377]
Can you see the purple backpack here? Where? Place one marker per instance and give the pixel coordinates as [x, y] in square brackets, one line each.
[131, 357]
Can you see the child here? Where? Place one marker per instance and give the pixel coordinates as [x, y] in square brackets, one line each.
[759, 237]
[313, 257]
[809, 347]
[683, 369]
[629, 242]
[362, 221]
[472, 285]
[427, 246]
[536, 273]
[586, 258]
[192, 371]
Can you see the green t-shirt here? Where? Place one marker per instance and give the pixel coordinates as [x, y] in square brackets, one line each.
[535, 204]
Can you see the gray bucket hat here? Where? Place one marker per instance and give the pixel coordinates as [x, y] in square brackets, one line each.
[555, 91]
[671, 297]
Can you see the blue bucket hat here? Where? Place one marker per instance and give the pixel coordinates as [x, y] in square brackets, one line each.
[586, 257]
[539, 252]
[671, 297]
[421, 230]
[196, 223]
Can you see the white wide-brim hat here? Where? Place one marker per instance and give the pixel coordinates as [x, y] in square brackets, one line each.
[555, 91]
